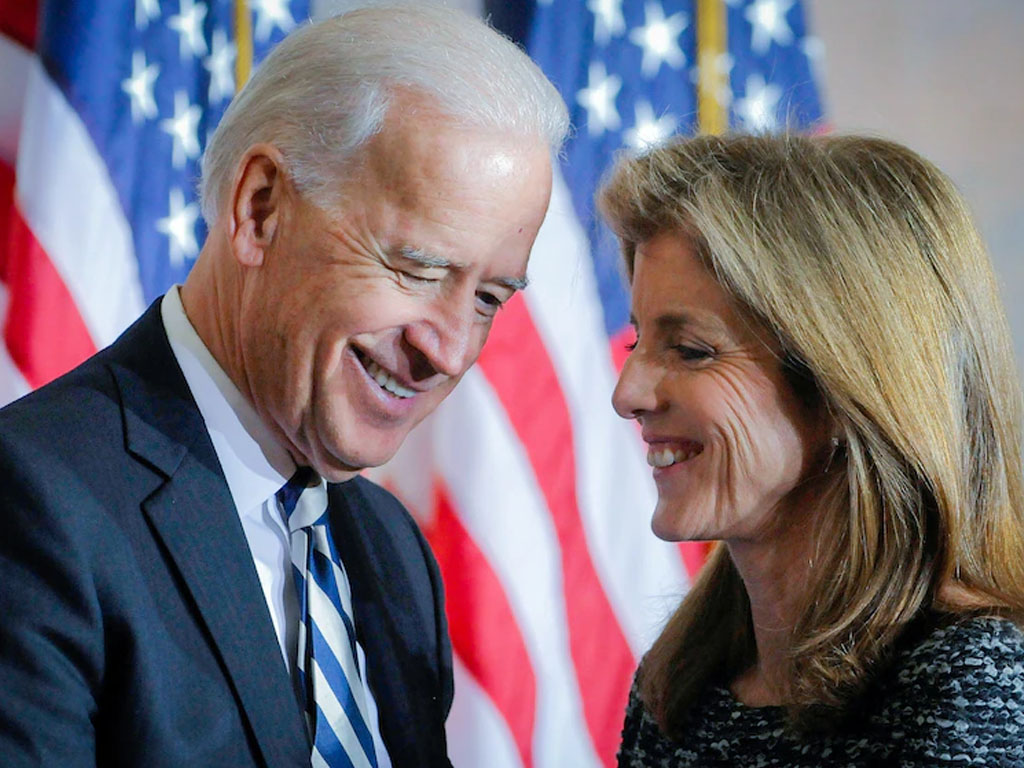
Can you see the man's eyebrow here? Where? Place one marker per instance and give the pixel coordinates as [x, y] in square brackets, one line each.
[430, 260]
[423, 258]
[513, 283]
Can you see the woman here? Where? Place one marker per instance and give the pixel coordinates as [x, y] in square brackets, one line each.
[823, 376]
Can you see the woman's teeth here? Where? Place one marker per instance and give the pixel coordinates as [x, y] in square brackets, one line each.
[387, 381]
[666, 457]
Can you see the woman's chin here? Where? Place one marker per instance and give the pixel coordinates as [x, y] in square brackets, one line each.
[673, 525]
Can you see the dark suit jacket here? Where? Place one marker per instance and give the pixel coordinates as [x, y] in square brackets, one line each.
[133, 629]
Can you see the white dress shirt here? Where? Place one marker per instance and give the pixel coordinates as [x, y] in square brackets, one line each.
[255, 467]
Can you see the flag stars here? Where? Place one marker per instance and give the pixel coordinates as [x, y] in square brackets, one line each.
[139, 88]
[189, 25]
[180, 227]
[271, 14]
[220, 64]
[759, 106]
[659, 38]
[814, 49]
[720, 66]
[608, 20]
[183, 128]
[649, 131]
[145, 12]
[768, 24]
[598, 98]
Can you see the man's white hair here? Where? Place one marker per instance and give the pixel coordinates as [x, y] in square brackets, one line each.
[325, 90]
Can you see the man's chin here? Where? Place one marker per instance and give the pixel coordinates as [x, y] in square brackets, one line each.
[338, 469]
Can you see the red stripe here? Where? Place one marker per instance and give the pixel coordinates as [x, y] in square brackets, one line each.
[18, 21]
[484, 632]
[44, 332]
[6, 203]
[517, 366]
[694, 554]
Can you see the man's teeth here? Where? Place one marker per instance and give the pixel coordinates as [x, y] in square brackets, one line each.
[387, 381]
[666, 457]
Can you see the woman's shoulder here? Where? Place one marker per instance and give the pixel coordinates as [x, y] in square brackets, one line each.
[976, 652]
[956, 693]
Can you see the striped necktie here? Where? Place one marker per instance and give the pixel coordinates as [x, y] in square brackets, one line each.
[328, 673]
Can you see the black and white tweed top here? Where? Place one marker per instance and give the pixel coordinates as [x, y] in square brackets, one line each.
[955, 696]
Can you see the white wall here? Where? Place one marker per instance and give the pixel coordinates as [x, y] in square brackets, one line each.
[945, 77]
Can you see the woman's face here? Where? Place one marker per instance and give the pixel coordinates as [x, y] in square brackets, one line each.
[727, 437]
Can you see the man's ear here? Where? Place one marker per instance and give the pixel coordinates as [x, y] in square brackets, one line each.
[258, 194]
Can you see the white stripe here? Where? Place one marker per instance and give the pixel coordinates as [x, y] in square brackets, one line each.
[12, 383]
[471, 445]
[69, 203]
[344, 588]
[477, 733]
[14, 63]
[309, 507]
[496, 495]
[643, 577]
[317, 760]
[328, 621]
[338, 719]
[340, 576]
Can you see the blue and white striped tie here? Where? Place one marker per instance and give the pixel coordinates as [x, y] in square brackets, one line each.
[328, 671]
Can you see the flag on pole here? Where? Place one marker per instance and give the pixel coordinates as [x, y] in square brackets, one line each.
[535, 496]
[108, 107]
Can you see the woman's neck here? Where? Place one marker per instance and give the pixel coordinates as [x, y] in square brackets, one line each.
[775, 572]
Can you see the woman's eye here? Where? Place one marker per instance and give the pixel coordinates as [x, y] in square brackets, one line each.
[692, 353]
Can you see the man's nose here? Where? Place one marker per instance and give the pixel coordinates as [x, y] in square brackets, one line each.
[636, 390]
[447, 339]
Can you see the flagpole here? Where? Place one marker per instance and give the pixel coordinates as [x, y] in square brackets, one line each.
[712, 36]
[243, 43]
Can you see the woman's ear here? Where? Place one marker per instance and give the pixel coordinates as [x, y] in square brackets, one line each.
[256, 201]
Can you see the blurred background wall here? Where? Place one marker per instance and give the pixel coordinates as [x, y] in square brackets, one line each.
[945, 77]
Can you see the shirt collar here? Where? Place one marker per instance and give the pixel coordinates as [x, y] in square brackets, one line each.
[255, 465]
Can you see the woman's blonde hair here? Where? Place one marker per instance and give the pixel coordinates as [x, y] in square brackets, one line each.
[862, 257]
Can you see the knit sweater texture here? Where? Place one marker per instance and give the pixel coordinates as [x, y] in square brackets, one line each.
[953, 696]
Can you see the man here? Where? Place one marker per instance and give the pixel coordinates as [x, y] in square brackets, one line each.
[372, 197]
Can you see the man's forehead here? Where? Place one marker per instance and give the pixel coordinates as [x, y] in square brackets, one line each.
[415, 136]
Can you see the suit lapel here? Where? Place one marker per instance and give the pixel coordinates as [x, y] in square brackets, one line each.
[193, 514]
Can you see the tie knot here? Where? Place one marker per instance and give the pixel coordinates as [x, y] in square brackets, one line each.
[289, 494]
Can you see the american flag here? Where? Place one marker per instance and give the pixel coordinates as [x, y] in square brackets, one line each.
[111, 103]
[534, 495]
